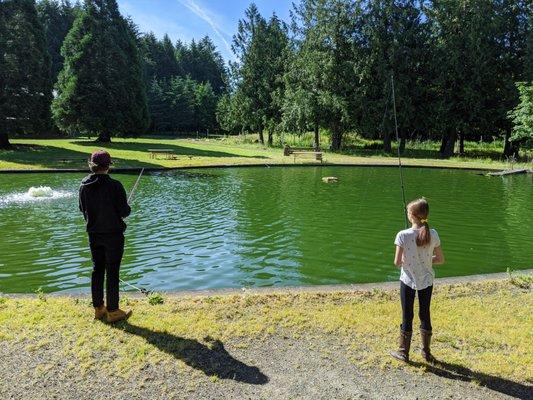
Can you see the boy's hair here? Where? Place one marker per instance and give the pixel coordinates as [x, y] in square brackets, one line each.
[419, 209]
[98, 168]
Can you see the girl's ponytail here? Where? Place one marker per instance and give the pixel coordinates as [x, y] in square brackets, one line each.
[420, 210]
[423, 236]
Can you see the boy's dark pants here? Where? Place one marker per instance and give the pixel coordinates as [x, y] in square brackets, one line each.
[407, 296]
[106, 250]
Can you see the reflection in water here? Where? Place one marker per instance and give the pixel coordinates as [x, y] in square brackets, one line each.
[201, 229]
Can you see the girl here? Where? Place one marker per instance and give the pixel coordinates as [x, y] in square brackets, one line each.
[417, 249]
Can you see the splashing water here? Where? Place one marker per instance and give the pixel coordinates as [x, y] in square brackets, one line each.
[40, 191]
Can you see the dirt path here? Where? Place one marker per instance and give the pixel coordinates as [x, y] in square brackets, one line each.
[278, 368]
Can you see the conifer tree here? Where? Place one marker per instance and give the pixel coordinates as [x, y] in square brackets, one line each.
[101, 87]
[25, 82]
[56, 18]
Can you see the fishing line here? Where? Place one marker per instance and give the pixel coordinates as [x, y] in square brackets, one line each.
[130, 197]
[398, 148]
[142, 290]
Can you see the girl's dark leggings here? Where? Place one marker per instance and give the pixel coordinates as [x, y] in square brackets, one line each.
[407, 296]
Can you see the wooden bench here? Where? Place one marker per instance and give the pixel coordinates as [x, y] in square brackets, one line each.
[303, 151]
[167, 153]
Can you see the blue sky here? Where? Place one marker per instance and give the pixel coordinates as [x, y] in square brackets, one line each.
[193, 19]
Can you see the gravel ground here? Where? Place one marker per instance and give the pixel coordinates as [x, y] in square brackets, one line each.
[279, 368]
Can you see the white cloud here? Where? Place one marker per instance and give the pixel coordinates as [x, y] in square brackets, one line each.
[206, 15]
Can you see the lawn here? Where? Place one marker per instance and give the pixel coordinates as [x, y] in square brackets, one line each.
[481, 330]
[130, 153]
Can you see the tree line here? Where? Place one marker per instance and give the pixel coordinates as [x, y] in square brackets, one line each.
[461, 69]
[454, 63]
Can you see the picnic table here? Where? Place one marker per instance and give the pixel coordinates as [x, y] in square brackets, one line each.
[166, 153]
[303, 151]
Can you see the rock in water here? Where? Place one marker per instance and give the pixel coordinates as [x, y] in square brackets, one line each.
[330, 179]
[40, 191]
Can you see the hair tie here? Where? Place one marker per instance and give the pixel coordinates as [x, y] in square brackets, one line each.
[424, 221]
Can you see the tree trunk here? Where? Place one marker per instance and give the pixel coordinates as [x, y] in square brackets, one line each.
[336, 137]
[261, 137]
[317, 136]
[387, 146]
[4, 141]
[270, 137]
[103, 138]
[402, 142]
[450, 145]
[443, 144]
[508, 146]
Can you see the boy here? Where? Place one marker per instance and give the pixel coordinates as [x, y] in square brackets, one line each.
[104, 205]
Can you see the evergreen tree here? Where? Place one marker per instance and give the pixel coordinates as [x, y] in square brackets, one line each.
[159, 107]
[466, 64]
[261, 50]
[323, 77]
[56, 18]
[25, 82]
[395, 44]
[182, 100]
[203, 63]
[522, 117]
[101, 89]
[205, 107]
[249, 47]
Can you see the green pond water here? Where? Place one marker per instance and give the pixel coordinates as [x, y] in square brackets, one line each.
[244, 227]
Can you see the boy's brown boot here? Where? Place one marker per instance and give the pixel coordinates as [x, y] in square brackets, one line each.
[100, 312]
[425, 336]
[404, 345]
[118, 315]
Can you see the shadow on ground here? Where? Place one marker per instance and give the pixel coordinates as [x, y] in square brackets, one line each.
[58, 157]
[458, 372]
[212, 360]
[177, 150]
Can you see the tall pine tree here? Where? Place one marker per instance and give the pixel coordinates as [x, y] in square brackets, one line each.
[25, 82]
[101, 88]
[56, 18]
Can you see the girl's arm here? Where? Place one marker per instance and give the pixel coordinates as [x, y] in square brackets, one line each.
[398, 257]
[438, 256]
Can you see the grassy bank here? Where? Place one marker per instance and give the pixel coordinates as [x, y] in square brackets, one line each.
[73, 153]
[482, 330]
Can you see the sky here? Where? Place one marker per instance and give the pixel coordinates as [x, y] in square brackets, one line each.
[193, 19]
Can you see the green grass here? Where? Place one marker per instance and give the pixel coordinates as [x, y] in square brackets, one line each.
[127, 152]
[481, 328]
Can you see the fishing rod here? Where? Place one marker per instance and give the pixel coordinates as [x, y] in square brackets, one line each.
[135, 186]
[144, 291]
[399, 155]
[130, 197]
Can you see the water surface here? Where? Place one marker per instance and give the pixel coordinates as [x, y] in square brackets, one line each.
[243, 227]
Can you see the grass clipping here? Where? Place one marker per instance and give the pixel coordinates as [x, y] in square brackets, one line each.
[483, 327]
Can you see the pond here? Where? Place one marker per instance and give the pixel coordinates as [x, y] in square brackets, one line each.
[250, 227]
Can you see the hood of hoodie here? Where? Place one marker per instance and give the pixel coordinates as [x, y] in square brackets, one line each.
[94, 179]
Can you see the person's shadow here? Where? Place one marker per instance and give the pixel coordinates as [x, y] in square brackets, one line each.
[458, 372]
[213, 360]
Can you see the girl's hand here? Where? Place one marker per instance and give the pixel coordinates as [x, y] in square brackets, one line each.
[438, 256]
[398, 257]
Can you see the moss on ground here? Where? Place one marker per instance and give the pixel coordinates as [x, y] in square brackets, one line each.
[483, 328]
[127, 152]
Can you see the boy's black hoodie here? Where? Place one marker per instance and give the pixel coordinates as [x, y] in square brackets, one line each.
[104, 204]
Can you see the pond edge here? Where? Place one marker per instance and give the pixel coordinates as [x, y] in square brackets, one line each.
[340, 288]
